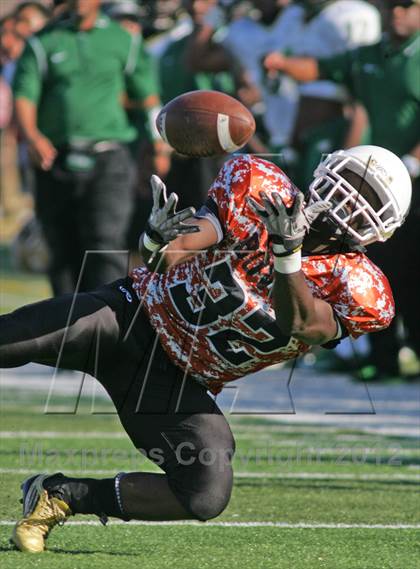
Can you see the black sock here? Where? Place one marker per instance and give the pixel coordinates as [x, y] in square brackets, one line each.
[85, 495]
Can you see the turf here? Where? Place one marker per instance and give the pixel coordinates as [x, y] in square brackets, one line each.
[289, 474]
[17, 289]
[225, 548]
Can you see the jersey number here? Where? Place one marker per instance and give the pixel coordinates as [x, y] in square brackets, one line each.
[224, 300]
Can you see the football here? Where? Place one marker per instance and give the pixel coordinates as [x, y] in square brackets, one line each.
[205, 123]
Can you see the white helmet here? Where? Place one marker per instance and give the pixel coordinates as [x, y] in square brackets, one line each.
[356, 217]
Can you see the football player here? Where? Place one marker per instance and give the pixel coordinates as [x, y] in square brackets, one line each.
[257, 276]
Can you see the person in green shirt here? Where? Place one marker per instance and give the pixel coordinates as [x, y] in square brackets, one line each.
[68, 89]
[385, 78]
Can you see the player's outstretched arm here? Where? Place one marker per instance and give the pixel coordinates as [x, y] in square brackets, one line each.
[172, 237]
[298, 312]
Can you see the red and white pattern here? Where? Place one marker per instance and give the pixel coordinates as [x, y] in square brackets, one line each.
[213, 312]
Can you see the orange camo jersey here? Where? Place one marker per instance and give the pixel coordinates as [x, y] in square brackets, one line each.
[213, 312]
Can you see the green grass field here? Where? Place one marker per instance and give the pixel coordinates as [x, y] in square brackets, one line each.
[304, 497]
[330, 498]
[17, 290]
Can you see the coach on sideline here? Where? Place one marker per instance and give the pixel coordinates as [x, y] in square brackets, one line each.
[384, 77]
[68, 90]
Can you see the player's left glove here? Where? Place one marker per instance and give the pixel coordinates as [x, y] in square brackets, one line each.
[287, 227]
[164, 224]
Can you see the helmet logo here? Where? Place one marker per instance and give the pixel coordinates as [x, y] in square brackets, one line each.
[378, 168]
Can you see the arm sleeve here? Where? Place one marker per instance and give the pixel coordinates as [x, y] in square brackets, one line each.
[140, 72]
[27, 81]
[357, 290]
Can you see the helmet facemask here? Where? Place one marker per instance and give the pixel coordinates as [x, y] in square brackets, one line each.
[363, 210]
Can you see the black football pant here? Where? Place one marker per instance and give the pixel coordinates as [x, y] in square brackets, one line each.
[171, 418]
[86, 212]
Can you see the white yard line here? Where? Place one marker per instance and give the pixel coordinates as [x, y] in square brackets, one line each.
[328, 476]
[285, 525]
[273, 475]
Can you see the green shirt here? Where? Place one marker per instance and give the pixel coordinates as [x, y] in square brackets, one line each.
[77, 78]
[386, 80]
[176, 79]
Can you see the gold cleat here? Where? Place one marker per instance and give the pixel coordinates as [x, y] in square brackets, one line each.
[40, 514]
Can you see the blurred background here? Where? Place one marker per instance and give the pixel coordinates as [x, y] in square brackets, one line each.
[82, 81]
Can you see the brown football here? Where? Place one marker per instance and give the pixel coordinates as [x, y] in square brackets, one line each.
[205, 123]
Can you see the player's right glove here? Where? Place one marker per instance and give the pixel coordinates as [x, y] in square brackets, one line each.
[164, 224]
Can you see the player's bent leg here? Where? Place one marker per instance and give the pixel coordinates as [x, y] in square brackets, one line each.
[193, 448]
[178, 426]
[175, 423]
[195, 451]
[197, 484]
[196, 456]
